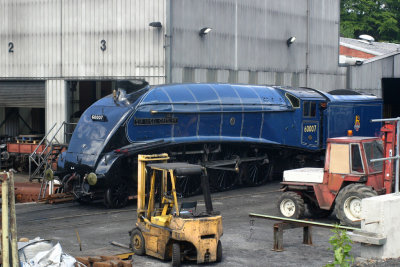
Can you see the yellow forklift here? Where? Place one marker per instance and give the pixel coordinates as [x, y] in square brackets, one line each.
[169, 231]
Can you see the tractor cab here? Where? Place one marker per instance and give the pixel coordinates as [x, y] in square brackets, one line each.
[351, 157]
[169, 230]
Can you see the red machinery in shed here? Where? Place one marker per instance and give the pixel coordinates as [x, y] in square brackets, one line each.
[354, 169]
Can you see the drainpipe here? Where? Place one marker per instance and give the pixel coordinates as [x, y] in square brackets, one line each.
[168, 43]
[236, 36]
[308, 45]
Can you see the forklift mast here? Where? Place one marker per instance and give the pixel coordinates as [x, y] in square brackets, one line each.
[141, 190]
[389, 144]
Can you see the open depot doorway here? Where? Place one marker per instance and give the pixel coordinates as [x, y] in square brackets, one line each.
[391, 97]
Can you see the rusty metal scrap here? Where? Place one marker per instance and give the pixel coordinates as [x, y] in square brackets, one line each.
[58, 198]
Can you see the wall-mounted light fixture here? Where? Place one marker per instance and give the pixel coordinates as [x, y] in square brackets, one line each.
[290, 41]
[204, 31]
[155, 24]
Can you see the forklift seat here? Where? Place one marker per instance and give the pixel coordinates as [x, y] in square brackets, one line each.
[188, 205]
[188, 209]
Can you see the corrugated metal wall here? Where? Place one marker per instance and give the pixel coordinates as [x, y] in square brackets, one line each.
[33, 29]
[64, 39]
[56, 105]
[55, 39]
[248, 41]
[367, 78]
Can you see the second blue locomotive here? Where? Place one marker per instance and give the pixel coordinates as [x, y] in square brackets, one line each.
[242, 133]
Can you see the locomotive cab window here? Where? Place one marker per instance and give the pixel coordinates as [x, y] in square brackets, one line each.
[309, 109]
[294, 101]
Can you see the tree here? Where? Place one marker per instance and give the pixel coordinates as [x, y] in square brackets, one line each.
[378, 18]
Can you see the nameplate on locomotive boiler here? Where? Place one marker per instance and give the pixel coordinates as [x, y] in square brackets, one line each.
[155, 121]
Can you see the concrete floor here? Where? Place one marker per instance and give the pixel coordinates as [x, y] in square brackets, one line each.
[243, 244]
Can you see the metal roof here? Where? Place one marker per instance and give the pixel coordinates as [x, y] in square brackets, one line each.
[374, 48]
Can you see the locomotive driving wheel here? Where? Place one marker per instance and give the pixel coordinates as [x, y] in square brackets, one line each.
[223, 180]
[116, 196]
[188, 185]
[255, 173]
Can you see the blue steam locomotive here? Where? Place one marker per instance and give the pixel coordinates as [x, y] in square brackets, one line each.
[241, 133]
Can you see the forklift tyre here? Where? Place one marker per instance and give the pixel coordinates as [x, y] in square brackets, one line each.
[219, 251]
[348, 203]
[291, 205]
[137, 242]
[176, 255]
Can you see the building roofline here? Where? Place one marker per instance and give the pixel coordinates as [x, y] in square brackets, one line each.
[361, 49]
[381, 57]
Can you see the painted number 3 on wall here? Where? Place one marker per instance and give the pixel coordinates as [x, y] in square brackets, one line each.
[103, 46]
[310, 128]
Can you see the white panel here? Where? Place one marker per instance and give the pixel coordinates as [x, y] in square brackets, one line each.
[267, 78]
[306, 175]
[223, 76]
[56, 105]
[243, 77]
[200, 75]
[396, 66]
[177, 75]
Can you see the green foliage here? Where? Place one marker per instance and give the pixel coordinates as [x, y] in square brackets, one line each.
[341, 246]
[378, 18]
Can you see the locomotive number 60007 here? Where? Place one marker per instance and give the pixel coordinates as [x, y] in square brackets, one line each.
[310, 128]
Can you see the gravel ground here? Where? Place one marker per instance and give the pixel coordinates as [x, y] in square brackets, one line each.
[243, 244]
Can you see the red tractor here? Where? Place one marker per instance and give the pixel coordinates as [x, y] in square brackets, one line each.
[348, 176]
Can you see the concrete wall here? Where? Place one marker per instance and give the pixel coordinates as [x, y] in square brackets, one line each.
[380, 215]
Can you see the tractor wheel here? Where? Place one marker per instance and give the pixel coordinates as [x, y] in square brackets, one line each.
[116, 196]
[219, 251]
[348, 203]
[316, 212]
[137, 242]
[291, 205]
[176, 254]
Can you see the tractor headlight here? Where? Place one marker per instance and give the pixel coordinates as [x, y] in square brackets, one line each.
[91, 178]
